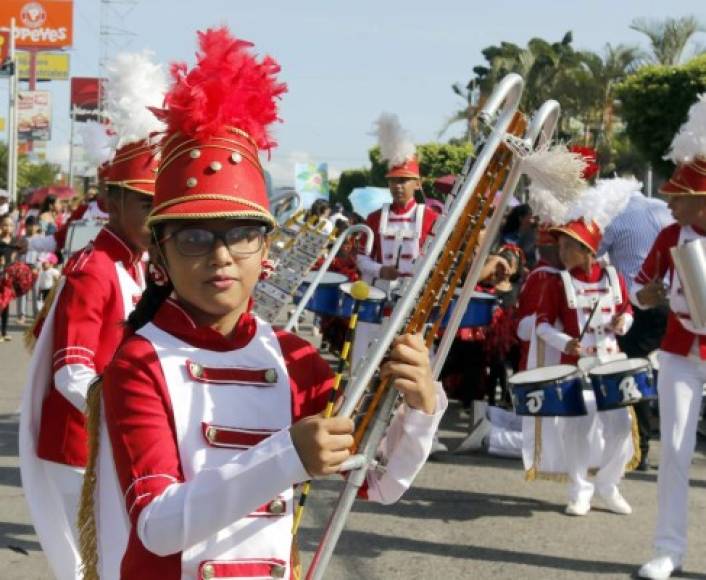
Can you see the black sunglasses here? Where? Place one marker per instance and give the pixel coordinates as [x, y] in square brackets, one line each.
[241, 241]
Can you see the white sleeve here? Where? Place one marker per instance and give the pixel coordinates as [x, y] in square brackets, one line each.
[624, 328]
[72, 381]
[42, 244]
[190, 512]
[368, 267]
[524, 328]
[553, 337]
[404, 450]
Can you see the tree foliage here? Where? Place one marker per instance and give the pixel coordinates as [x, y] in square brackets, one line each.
[655, 102]
[668, 38]
[29, 175]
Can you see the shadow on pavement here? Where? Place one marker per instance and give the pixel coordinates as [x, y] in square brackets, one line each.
[370, 545]
[11, 535]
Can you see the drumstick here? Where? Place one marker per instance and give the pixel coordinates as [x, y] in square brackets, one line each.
[359, 291]
[590, 317]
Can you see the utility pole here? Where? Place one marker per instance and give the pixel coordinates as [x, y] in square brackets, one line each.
[12, 120]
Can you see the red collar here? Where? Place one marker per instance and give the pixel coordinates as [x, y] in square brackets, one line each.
[593, 276]
[398, 210]
[172, 318]
[113, 245]
[698, 230]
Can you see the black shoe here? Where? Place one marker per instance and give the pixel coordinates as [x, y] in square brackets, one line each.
[644, 464]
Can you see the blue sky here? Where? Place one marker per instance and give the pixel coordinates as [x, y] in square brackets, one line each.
[347, 62]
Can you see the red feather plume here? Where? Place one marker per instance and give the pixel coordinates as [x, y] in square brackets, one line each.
[590, 156]
[228, 86]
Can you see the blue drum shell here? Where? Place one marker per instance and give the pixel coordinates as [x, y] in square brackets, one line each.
[368, 311]
[323, 301]
[609, 394]
[554, 399]
[479, 312]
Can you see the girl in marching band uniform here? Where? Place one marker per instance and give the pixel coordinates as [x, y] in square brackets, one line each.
[587, 295]
[212, 413]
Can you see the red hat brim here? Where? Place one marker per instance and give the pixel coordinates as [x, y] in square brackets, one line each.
[209, 207]
[687, 179]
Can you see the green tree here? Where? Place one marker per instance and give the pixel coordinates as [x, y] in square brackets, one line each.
[29, 175]
[669, 37]
[654, 102]
[347, 182]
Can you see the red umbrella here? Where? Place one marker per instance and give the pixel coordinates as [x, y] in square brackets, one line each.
[59, 191]
[445, 183]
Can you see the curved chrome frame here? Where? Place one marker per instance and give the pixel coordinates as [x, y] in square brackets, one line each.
[359, 228]
[502, 104]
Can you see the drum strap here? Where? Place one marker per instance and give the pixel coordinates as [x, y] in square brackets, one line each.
[614, 285]
[569, 290]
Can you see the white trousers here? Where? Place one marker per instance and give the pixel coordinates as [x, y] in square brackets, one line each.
[680, 385]
[613, 429]
[67, 482]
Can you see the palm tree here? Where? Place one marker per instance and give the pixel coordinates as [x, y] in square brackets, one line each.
[669, 37]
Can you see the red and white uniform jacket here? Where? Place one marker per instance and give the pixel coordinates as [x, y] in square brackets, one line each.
[400, 234]
[570, 298]
[55, 242]
[681, 334]
[199, 426]
[527, 307]
[100, 288]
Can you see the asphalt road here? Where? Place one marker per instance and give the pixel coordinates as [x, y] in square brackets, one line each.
[466, 517]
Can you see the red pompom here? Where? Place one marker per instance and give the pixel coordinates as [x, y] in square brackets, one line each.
[227, 87]
[590, 156]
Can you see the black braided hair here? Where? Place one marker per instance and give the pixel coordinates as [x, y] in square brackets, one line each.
[152, 298]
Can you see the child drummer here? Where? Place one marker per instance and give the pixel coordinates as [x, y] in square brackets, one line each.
[587, 295]
[214, 415]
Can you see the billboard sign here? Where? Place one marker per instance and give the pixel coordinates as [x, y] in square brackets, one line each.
[39, 23]
[34, 115]
[50, 66]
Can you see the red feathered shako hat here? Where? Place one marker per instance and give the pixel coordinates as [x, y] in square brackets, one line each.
[590, 156]
[133, 167]
[687, 179]
[410, 168]
[217, 116]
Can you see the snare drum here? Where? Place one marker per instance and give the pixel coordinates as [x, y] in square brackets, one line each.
[623, 382]
[325, 297]
[555, 391]
[370, 309]
[479, 311]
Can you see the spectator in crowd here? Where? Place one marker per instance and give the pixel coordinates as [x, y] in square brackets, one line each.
[48, 275]
[320, 209]
[31, 258]
[8, 252]
[49, 215]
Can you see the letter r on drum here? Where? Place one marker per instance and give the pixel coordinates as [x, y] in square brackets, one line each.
[628, 390]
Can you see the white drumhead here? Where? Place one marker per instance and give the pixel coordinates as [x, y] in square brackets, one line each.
[542, 374]
[620, 366]
[329, 278]
[374, 294]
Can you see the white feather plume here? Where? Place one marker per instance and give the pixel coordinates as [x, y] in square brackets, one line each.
[135, 82]
[396, 144]
[557, 171]
[546, 206]
[604, 201]
[690, 141]
[98, 145]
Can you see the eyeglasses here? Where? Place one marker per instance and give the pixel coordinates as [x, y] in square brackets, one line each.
[241, 241]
